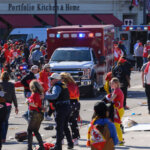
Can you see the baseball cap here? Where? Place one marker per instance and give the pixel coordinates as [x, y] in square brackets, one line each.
[34, 67]
[46, 66]
[55, 76]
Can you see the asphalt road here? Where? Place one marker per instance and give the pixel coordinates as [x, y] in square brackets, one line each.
[17, 123]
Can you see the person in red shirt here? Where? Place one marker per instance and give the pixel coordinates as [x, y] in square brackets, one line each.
[44, 77]
[117, 53]
[117, 98]
[45, 81]
[35, 113]
[75, 105]
[6, 52]
[146, 51]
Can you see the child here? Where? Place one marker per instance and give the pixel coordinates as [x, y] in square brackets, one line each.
[101, 119]
[117, 98]
[35, 113]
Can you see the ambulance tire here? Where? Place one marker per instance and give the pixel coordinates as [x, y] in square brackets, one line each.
[93, 90]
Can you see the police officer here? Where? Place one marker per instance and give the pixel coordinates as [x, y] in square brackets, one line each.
[60, 96]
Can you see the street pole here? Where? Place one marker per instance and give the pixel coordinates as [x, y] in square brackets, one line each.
[144, 12]
[56, 15]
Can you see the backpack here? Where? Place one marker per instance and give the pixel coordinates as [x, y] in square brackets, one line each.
[109, 144]
[2, 58]
[99, 137]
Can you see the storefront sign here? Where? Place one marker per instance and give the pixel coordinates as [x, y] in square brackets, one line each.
[41, 7]
[48, 7]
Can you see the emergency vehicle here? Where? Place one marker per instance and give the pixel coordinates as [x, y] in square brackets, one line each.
[86, 52]
[130, 35]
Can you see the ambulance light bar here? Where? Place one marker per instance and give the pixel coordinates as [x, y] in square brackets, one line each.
[136, 28]
[75, 35]
[81, 35]
[131, 28]
[58, 35]
[145, 28]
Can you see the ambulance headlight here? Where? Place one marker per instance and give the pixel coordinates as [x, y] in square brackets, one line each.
[86, 73]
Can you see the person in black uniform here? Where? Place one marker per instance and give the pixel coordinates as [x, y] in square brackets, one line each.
[59, 94]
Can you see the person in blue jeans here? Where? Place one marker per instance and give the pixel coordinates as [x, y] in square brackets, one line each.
[10, 98]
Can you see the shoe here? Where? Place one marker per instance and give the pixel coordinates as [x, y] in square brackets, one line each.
[75, 142]
[49, 127]
[25, 117]
[126, 108]
[48, 118]
[70, 146]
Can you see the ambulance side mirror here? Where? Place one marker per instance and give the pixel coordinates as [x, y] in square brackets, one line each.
[102, 60]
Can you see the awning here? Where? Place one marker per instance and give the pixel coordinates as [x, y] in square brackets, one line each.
[2, 25]
[20, 20]
[109, 19]
[50, 20]
[80, 19]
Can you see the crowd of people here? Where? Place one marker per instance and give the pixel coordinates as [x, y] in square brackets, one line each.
[32, 53]
[61, 94]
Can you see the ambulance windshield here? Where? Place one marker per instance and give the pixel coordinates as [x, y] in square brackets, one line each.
[71, 55]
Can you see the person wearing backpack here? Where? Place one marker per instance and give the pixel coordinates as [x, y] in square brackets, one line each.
[106, 129]
[146, 80]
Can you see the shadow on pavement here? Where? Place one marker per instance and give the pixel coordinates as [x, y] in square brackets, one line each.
[136, 94]
[14, 124]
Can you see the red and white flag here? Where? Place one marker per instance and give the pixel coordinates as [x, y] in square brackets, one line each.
[135, 3]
